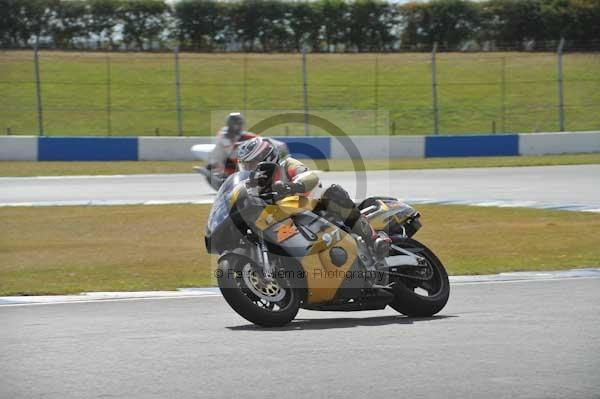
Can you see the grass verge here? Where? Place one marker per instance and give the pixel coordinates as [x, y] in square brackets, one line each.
[26, 168]
[58, 250]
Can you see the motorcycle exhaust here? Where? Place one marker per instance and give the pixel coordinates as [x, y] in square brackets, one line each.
[400, 260]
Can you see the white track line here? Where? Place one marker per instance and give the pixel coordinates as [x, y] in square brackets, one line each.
[104, 203]
[508, 204]
[502, 278]
[60, 177]
[108, 296]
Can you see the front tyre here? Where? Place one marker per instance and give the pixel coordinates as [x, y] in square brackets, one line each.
[265, 302]
[421, 298]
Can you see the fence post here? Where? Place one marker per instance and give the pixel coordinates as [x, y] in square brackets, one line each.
[108, 95]
[38, 90]
[305, 93]
[245, 77]
[436, 118]
[503, 94]
[178, 92]
[376, 94]
[561, 105]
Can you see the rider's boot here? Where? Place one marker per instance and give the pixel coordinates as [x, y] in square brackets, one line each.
[379, 243]
[337, 201]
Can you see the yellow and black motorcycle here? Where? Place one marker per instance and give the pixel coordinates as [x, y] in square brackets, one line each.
[278, 255]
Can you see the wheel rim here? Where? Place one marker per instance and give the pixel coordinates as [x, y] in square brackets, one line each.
[425, 288]
[268, 289]
[270, 295]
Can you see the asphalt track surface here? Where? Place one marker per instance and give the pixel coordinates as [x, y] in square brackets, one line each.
[536, 339]
[527, 339]
[554, 185]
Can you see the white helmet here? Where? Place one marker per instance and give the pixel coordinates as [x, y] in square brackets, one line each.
[254, 151]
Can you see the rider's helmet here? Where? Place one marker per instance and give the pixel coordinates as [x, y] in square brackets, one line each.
[235, 124]
[254, 151]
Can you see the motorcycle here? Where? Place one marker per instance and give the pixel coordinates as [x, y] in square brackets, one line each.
[277, 255]
[215, 179]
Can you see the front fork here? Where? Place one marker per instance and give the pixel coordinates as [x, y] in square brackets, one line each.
[263, 254]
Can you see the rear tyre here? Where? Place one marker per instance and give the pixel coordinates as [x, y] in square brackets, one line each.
[421, 298]
[263, 302]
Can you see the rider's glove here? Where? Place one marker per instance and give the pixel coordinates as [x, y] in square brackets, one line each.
[282, 189]
[298, 187]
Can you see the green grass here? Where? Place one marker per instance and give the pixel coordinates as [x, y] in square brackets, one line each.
[343, 88]
[73, 249]
[27, 168]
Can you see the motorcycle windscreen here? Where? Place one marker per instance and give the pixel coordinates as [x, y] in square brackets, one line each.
[221, 206]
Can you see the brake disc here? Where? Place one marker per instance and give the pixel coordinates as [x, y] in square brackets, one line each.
[268, 289]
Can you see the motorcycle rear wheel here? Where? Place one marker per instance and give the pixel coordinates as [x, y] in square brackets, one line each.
[262, 302]
[409, 293]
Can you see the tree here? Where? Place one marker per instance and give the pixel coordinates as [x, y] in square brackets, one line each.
[70, 21]
[452, 22]
[200, 23]
[413, 17]
[587, 15]
[274, 33]
[10, 23]
[334, 17]
[371, 24]
[577, 20]
[512, 21]
[103, 17]
[291, 25]
[143, 21]
[304, 25]
[35, 17]
[245, 20]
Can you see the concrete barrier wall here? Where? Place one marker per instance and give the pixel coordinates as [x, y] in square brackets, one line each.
[472, 146]
[178, 148]
[19, 148]
[308, 147]
[559, 143]
[366, 147]
[374, 147]
[169, 148]
[88, 149]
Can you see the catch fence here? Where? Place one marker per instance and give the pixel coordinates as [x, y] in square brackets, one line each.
[168, 94]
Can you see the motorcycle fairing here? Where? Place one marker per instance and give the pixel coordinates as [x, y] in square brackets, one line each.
[311, 248]
[285, 208]
[323, 276]
[389, 214]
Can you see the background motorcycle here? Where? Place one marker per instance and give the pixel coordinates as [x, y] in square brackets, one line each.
[215, 179]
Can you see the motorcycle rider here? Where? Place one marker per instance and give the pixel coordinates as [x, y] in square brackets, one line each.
[293, 178]
[227, 138]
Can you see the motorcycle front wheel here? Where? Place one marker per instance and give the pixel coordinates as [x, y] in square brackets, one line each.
[421, 298]
[260, 300]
